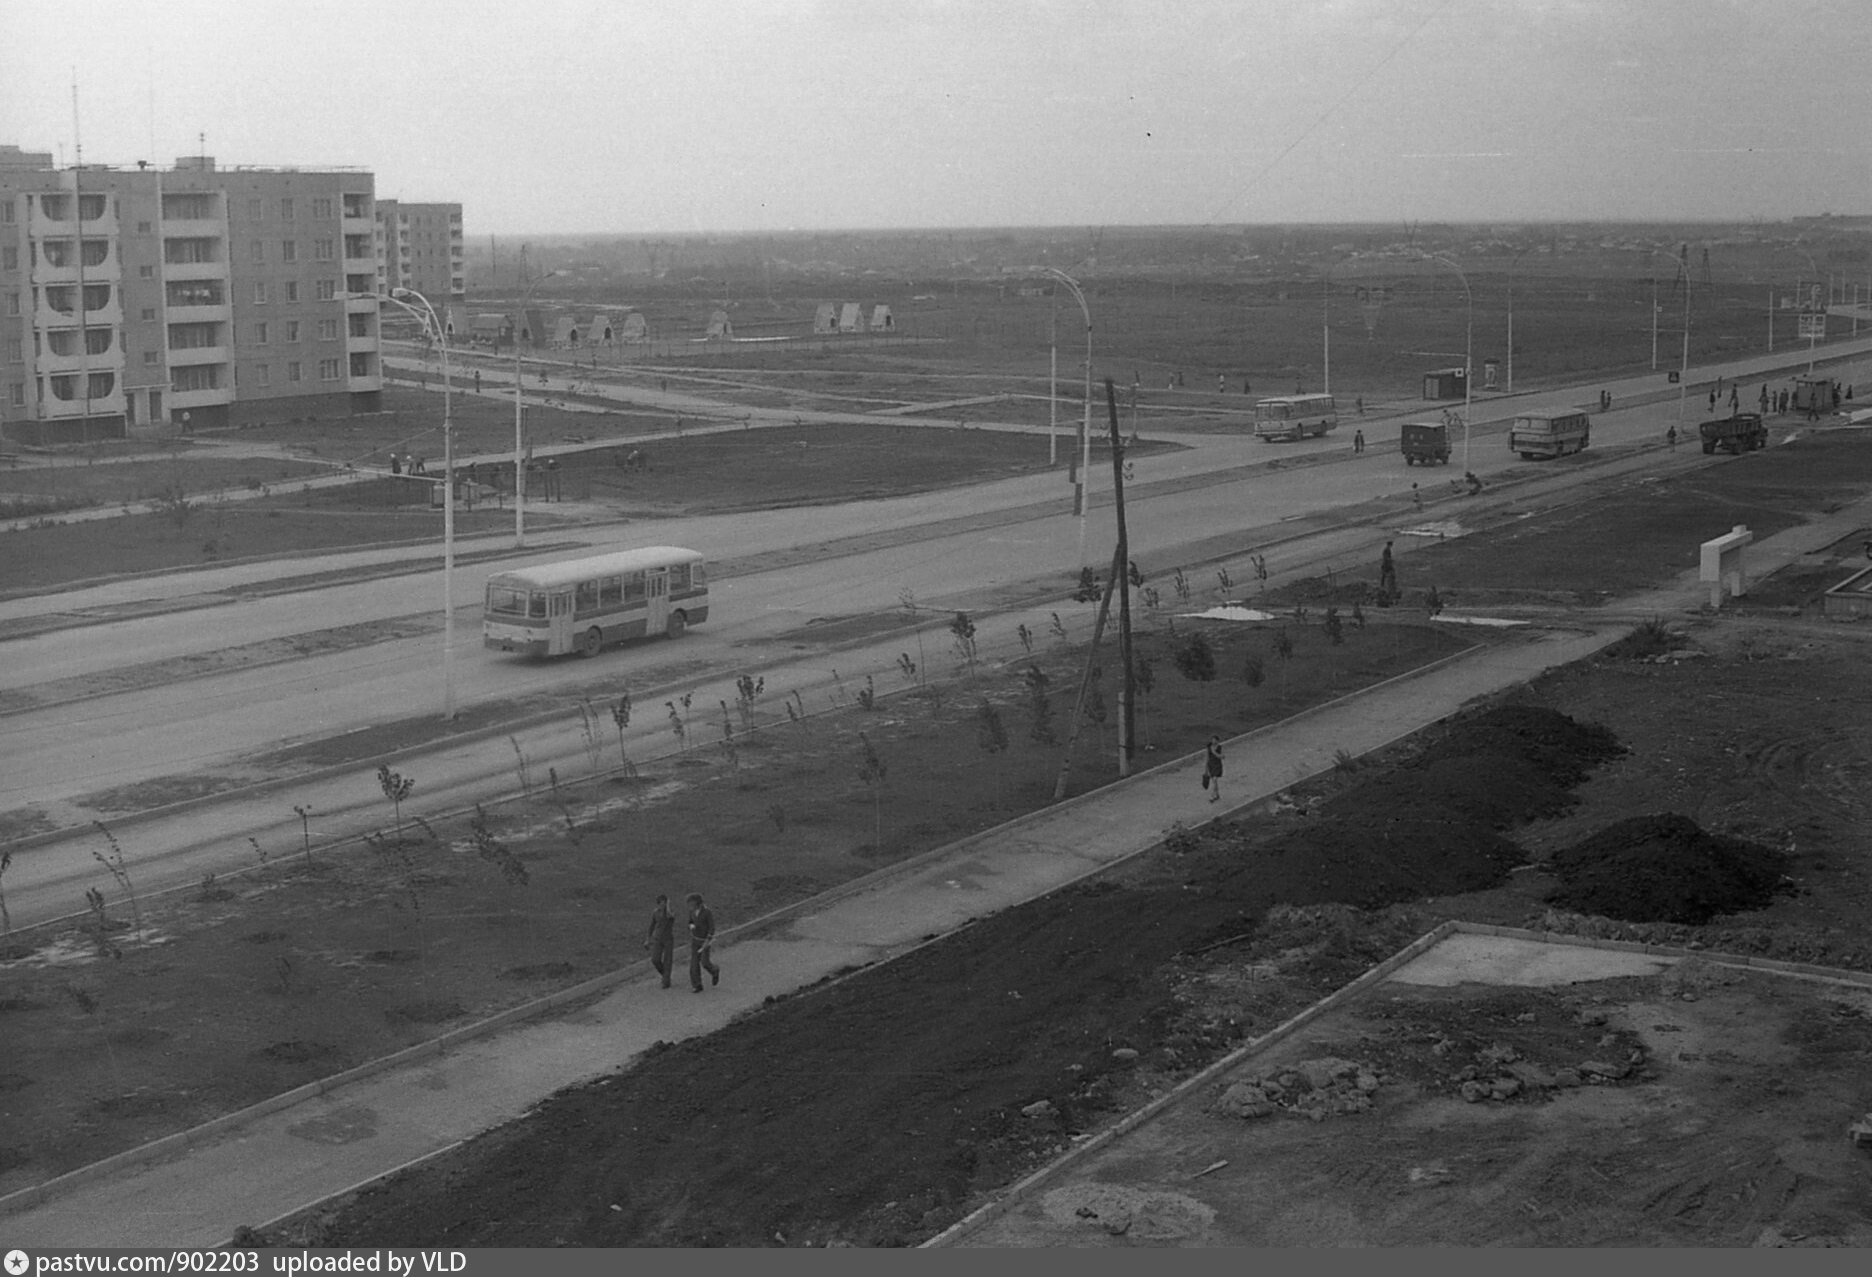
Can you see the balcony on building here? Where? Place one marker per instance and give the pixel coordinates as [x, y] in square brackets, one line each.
[56, 261]
[53, 212]
[195, 257]
[76, 394]
[197, 300]
[60, 305]
[65, 350]
[359, 248]
[192, 214]
[199, 385]
[197, 342]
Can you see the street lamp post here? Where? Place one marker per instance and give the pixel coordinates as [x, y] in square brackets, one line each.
[428, 318]
[519, 416]
[1468, 349]
[1085, 424]
[1813, 290]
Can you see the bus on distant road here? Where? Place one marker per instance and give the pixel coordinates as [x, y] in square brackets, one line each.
[580, 605]
[1295, 416]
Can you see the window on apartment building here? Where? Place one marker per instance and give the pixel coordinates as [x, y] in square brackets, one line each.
[201, 292]
[6, 212]
[321, 208]
[330, 369]
[327, 289]
[256, 252]
[256, 209]
[260, 333]
[263, 375]
[289, 250]
[152, 359]
[146, 272]
[12, 303]
[292, 290]
[9, 258]
[19, 394]
[259, 293]
[359, 325]
[16, 351]
[361, 364]
[292, 330]
[286, 210]
[144, 228]
[323, 250]
[328, 330]
[292, 371]
[149, 314]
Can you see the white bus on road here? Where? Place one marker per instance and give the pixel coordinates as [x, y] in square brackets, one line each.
[1295, 416]
[580, 605]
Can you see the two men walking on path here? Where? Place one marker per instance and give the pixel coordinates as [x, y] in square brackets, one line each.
[661, 942]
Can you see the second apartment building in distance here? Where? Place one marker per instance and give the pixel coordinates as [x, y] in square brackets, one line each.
[146, 300]
[421, 247]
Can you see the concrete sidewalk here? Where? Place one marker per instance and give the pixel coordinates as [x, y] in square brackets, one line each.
[196, 1188]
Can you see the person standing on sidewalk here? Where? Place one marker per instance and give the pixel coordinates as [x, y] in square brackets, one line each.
[1358, 441]
[701, 939]
[1212, 768]
[661, 941]
[1387, 573]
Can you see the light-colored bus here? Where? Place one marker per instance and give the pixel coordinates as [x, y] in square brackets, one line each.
[1295, 416]
[1555, 434]
[580, 605]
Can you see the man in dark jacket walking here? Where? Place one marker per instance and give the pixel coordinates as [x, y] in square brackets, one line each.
[661, 941]
[701, 937]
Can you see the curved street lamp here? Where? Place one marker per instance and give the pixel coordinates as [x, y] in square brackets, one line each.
[1085, 424]
[425, 313]
[1468, 348]
[519, 415]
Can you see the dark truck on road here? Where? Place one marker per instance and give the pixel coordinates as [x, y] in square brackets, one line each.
[1743, 432]
[1423, 442]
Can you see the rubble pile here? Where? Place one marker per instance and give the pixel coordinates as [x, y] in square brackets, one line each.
[1665, 868]
[1500, 1072]
[1313, 1089]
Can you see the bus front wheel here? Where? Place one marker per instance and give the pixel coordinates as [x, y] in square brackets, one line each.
[676, 625]
[590, 641]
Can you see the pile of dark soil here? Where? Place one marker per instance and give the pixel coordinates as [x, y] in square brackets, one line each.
[1665, 868]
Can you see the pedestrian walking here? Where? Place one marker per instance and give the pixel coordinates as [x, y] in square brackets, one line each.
[1212, 768]
[1221, 384]
[1387, 572]
[1670, 436]
[1360, 401]
[553, 492]
[1735, 400]
[1416, 498]
[1246, 388]
[477, 381]
[1712, 399]
[396, 464]
[409, 464]
[1764, 400]
[701, 940]
[661, 942]
[1358, 441]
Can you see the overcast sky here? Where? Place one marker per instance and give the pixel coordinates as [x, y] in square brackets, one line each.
[639, 116]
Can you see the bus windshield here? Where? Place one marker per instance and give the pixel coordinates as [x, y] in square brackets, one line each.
[506, 600]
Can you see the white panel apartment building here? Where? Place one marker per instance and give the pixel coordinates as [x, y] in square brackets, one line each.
[150, 301]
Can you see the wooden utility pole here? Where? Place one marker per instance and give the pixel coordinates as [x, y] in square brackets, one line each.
[1127, 696]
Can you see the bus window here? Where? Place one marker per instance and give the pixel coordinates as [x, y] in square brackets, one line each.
[679, 577]
[611, 591]
[634, 587]
[698, 575]
[536, 605]
[585, 598]
[506, 600]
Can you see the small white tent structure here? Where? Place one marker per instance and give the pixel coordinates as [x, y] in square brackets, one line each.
[636, 328]
[825, 319]
[719, 327]
[851, 318]
[882, 320]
